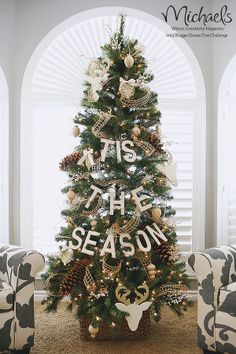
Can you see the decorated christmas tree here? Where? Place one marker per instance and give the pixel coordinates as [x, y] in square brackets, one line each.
[119, 259]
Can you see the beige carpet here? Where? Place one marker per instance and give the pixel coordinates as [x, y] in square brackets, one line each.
[58, 333]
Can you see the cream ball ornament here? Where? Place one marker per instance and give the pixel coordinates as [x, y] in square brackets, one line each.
[136, 131]
[93, 331]
[76, 131]
[151, 268]
[156, 214]
[129, 61]
[71, 195]
[93, 224]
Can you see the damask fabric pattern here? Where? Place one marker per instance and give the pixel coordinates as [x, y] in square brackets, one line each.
[216, 270]
[18, 268]
[6, 296]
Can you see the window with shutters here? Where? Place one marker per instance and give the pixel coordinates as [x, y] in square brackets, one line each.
[51, 94]
[226, 157]
[4, 221]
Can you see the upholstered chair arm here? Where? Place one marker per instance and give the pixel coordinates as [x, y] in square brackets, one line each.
[214, 268]
[19, 270]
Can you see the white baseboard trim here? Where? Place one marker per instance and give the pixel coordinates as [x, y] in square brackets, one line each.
[192, 295]
[39, 295]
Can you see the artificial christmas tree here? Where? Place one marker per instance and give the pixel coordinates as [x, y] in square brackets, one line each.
[119, 260]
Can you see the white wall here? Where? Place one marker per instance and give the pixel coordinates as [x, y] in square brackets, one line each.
[6, 67]
[34, 19]
[223, 52]
[7, 10]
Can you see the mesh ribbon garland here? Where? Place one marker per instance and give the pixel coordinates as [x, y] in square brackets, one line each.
[109, 269]
[89, 281]
[95, 209]
[80, 176]
[100, 123]
[139, 102]
[148, 148]
[145, 259]
[171, 289]
[131, 225]
[105, 182]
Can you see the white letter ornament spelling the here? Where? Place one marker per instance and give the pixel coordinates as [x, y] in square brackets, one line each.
[119, 204]
[96, 190]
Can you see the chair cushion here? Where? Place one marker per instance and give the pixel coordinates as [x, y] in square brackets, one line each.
[227, 299]
[6, 296]
[225, 320]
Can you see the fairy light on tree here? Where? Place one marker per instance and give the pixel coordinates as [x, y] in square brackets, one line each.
[119, 257]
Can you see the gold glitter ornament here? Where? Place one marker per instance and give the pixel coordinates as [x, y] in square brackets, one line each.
[156, 214]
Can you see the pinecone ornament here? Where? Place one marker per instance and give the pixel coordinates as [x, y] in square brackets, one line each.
[167, 253]
[69, 160]
[74, 276]
[155, 140]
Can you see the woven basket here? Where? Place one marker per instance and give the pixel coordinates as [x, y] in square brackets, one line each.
[123, 333]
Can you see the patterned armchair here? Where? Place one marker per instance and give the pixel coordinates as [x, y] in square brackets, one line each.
[18, 268]
[216, 273]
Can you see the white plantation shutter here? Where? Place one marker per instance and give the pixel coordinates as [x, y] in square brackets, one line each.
[227, 166]
[231, 175]
[178, 131]
[51, 141]
[4, 163]
[1, 171]
[60, 71]
[58, 78]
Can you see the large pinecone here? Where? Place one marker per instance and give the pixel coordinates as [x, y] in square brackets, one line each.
[69, 160]
[74, 276]
[167, 253]
[155, 140]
